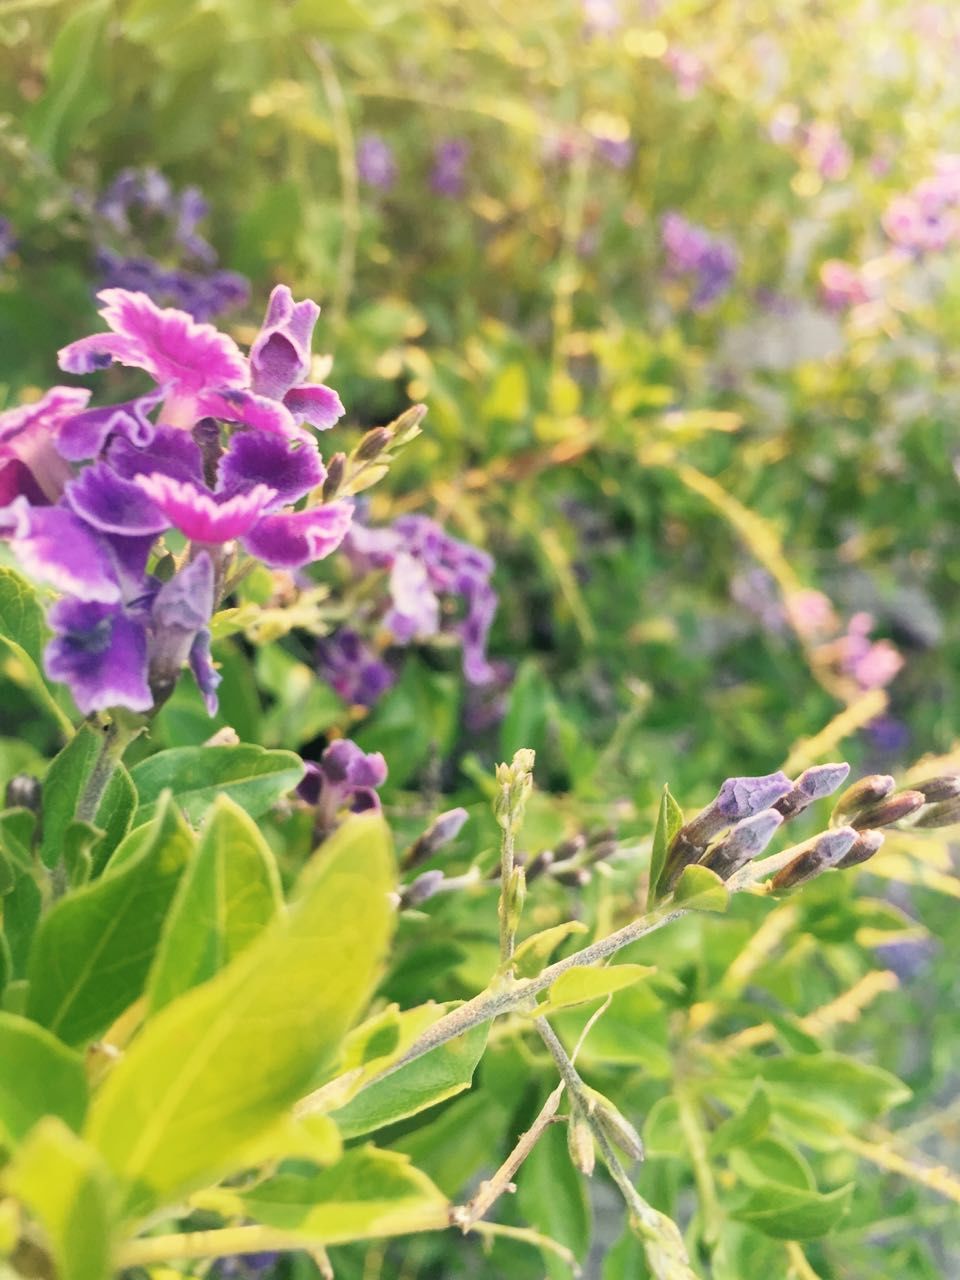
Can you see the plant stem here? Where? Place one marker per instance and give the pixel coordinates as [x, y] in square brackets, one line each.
[697, 1151]
[116, 738]
[528, 1236]
[507, 930]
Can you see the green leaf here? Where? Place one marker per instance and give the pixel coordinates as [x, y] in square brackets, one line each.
[533, 953]
[439, 1074]
[92, 952]
[366, 1195]
[23, 632]
[662, 1131]
[669, 822]
[854, 1092]
[700, 889]
[456, 1145]
[220, 1066]
[788, 1213]
[63, 786]
[76, 89]
[251, 776]
[552, 1198]
[38, 1076]
[772, 1160]
[228, 895]
[578, 985]
[632, 1032]
[61, 1181]
[743, 1126]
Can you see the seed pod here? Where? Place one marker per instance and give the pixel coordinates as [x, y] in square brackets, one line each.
[373, 444]
[742, 842]
[813, 784]
[867, 791]
[580, 1144]
[936, 789]
[944, 814]
[336, 469]
[24, 791]
[820, 854]
[887, 812]
[861, 850]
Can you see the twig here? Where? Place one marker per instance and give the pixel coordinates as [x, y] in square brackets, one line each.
[529, 1236]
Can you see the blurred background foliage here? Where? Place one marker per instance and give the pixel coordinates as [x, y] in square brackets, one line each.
[477, 194]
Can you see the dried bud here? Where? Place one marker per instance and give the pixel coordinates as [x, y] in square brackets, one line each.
[820, 854]
[600, 852]
[812, 785]
[580, 1144]
[617, 1127]
[24, 791]
[419, 890]
[887, 812]
[373, 444]
[336, 469]
[538, 865]
[570, 847]
[743, 842]
[867, 791]
[936, 789]
[444, 828]
[864, 848]
[944, 814]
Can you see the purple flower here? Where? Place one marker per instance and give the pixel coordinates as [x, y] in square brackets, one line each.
[346, 778]
[352, 669]
[449, 176]
[100, 651]
[871, 663]
[280, 361]
[741, 798]
[707, 261]
[825, 150]
[842, 285]
[30, 463]
[689, 71]
[375, 162]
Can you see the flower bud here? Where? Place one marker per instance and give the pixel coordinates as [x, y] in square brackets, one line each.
[743, 842]
[936, 789]
[580, 1145]
[617, 1127]
[444, 828]
[820, 854]
[373, 444]
[887, 812]
[407, 426]
[864, 848]
[944, 814]
[867, 791]
[516, 783]
[421, 889]
[737, 799]
[336, 469]
[812, 785]
[24, 791]
[538, 865]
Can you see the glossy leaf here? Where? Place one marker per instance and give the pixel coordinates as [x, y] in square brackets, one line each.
[219, 1067]
[227, 896]
[700, 889]
[251, 776]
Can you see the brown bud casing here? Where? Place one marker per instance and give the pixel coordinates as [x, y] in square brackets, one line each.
[373, 444]
[336, 469]
[887, 812]
[865, 848]
[868, 791]
[935, 790]
[944, 814]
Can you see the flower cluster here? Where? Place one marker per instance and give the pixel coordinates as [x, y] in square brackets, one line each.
[428, 572]
[212, 460]
[926, 219]
[842, 285]
[149, 242]
[694, 254]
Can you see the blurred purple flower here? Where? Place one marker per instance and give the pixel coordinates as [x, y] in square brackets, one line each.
[375, 162]
[8, 241]
[825, 150]
[601, 17]
[888, 735]
[352, 668]
[708, 261]
[842, 285]
[346, 778]
[871, 663]
[449, 174]
[688, 70]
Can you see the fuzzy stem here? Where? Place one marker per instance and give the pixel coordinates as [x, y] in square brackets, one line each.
[116, 738]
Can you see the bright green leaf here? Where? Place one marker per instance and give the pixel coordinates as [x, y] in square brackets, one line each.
[700, 889]
[38, 1076]
[669, 822]
[743, 1126]
[787, 1213]
[216, 1070]
[771, 1160]
[230, 892]
[63, 787]
[578, 985]
[533, 953]
[253, 777]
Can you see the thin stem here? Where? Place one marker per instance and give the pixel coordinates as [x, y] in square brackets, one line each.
[528, 1236]
[507, 928]
[116, 738]
[702, 1174]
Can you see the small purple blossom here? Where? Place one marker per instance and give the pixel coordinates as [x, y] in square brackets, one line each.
[375, 162]
[871, 663]
[449, 174]
[842, 285]
[708, 262]
[346, 778]
[352, 669]
[30, 462]
[926, 219]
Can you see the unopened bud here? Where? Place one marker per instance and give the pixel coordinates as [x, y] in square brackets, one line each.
[867, 791]
[538, 865]
[617, 1127]
[944, 814]
[373, 444]
[812, 785]
[572, 877]
[737, 799]
[822, 853]
[336, 469]
[936, 789]
[570, 847]
[419, 890]
[444, 828]
[513, 898]
[407, 426]
[743, 842]
[887, 812]
[862, 850]
[580, 1145]
[24, 791]
[515, 784]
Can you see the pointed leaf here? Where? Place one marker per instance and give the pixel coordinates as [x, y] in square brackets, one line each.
[700, 889]
[669, 822]
[743, 1126]
[250, 775]
[533, 953]
[218, 1068]
[230, 892]
[788, 1213]
[63, 787]
[38, 1076]
[578, 985]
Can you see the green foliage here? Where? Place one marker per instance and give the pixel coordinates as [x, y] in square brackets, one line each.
[248, 774]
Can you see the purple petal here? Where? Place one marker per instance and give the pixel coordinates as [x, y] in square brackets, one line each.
[185, 603]
[172, 452]
[112, 504]
[280, 355]
[199, 515]
[288, 541]
[101, 653]
[339, 758]
[85, 435]
[415, 612]
[30, 435]
[235, 404]
[204, 672]
[290, 467]
[316, 404]
[55, 547]
[742, 797]
[167, 344]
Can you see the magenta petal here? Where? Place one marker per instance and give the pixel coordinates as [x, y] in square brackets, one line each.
[287, 541]
[30, 436]
[236, 404]
[204, 672]
[199, 515]
[85, 435]
[316, 404]
[101, 653]
[171, 452]
[112, 504]
[55, 547]
[290, 467]
[168, 344]
[280, 355]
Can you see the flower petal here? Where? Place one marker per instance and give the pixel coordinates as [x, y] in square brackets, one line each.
[101, 653]
[55, 547]
[287, 541]
[290, 467]
[316, 404]
[171, 452]
[236, 404]
[113, 505]
[84, 435]
[199, 515]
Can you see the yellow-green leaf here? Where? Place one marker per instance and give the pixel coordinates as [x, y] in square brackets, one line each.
[700, 889]
[576, 986]
[534, 952]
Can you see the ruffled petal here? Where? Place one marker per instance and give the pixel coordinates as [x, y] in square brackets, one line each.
[113, 505]
[290, 467]
[55, 547]
[85, 435]
[199, 515]
[316, 404]
[287, 541]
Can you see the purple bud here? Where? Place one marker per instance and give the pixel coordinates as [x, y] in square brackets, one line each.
[444, 828]
[937, 789]
[743, 797]
[743, 842]
[812, 785]
[943, 814]
[822, 853]
[865, 847]
[419, 890]
[864, 792]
